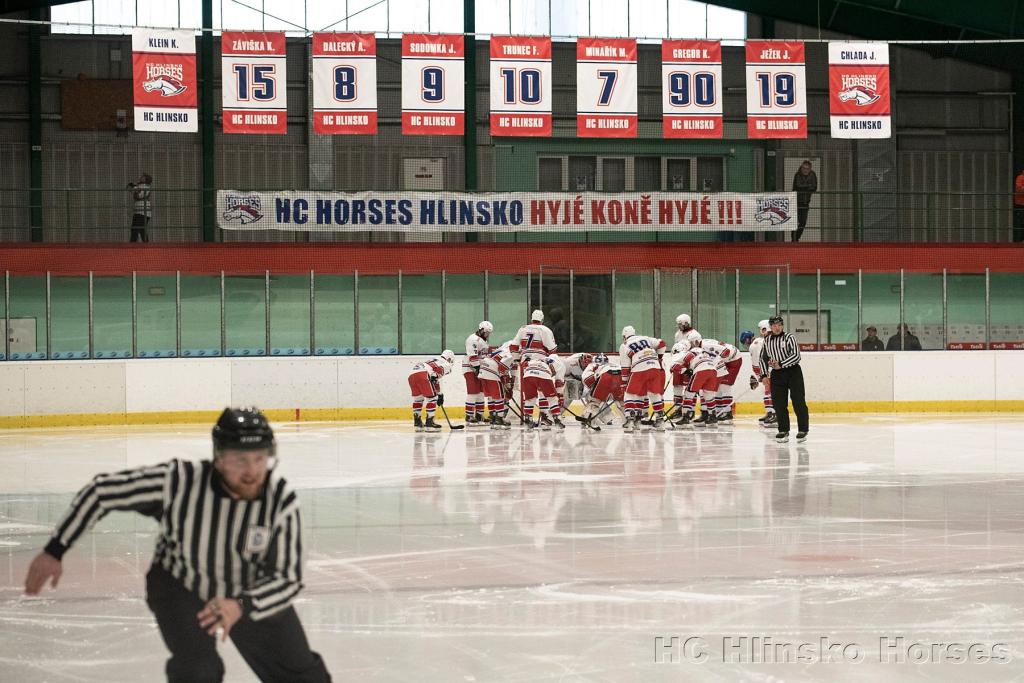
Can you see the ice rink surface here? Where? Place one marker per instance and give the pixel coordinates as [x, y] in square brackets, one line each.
[885, 548]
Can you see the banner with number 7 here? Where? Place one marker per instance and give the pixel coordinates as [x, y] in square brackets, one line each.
[606, 88]
[776, 89]
[433, 84]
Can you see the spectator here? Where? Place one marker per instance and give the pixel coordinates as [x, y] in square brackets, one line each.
[1018, 207]
[805, 184]
[872, 342]
[142, 212]
[910, 342]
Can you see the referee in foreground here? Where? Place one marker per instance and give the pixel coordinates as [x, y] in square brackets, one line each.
[228, 555]
[781, 356]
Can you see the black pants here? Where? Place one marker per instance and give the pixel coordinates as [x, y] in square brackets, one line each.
[275, 648]
[139, 223]
[1018, 223]
[788, 383]
[801, 221]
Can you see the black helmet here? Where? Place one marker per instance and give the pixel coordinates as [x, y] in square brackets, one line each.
[244, 429]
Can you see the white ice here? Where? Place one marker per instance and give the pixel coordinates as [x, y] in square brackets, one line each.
[512, 556]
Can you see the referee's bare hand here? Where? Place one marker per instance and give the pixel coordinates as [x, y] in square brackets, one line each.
[775, 364]
[44, 566]
[219, 613]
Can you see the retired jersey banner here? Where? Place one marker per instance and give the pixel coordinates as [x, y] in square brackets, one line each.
[433, 84]
[606, 88]
[858, 90]
[164, 78]
[776, 89]
[345, 83]
[504, 211]
[520, 86]
[691, 84]
[253, 82]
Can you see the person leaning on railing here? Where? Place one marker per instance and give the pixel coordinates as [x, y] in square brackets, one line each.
[1018, 207]
[142, 210]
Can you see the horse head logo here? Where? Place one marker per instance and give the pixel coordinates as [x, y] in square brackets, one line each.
[772, 211]
[165, 85]
[860, 95]
[244, 210]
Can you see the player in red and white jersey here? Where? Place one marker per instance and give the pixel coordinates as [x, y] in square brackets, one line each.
[560, 367]
[539, 390]
[534, 339]
[496, 370]
[680, 378]
[576, 365]
[424, 381]
[683, 328]
[476, 348]
[642, 373]
[702, 371]
[601, 380]
[729, 364]
[755, 346]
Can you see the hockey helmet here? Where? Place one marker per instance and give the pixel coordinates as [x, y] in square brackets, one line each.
[763, 325]
[693, 336]
[682, 346]
[600, 359]
[628, 331]
[243, 429]
[746, 337]
[537, 316]
[683, 320]
[448, 355]
[486, 326]
[585, 360]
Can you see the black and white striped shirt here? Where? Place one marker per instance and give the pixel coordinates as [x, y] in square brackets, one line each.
[215, 545]
[783, 348]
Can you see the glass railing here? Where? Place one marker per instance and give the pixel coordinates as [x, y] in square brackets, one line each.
[183, 315]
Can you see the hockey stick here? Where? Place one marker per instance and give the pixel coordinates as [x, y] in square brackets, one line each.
[450, 425]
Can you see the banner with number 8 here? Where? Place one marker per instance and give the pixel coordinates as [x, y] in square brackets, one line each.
[776, 89]
[254, 93]
[433, 84]
[345, 83]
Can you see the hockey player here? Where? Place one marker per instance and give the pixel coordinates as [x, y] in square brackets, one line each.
[476, 348]
[755, 346]
[423, 382]
[534, 339]
[680, 378]
[683, 328]
[576, 365]
[703, 374]
[496, 370]
[539, 390]
[644, 377]
[601, 380]
[729, 364]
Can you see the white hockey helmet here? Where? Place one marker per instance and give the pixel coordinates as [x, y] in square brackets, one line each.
[681, 346]
[628, 331]
[486, 326]
[763, 325]
[448, 355]
[683, 319]
[537, 316]
[693, 336]
[600, 359]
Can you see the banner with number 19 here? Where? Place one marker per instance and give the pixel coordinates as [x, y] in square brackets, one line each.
[776, 89]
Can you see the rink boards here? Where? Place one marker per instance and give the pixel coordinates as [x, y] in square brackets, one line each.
[58, 393]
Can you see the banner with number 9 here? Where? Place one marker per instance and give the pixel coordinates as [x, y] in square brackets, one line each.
[433, 84]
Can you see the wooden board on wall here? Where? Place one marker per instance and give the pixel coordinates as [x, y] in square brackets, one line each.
[92, 103]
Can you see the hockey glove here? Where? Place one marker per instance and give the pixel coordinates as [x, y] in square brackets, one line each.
[753, 382]
[440, 399]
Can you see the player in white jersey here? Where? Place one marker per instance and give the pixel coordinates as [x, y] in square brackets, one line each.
[643, 375]
[496, 370]
[683, 328]
[729, 364]
[534, 339]
[539, 390]
[601, 380]
[576, 364]
[701, 373]
[424, 381]
[476, 348]
[755, 345]
[680, 378]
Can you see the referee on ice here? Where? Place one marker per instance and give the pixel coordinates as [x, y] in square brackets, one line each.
[780, 356]
[228, 554]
